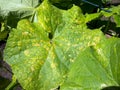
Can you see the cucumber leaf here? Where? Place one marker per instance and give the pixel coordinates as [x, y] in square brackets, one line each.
[21, 7]
[42, 53]
[95, 68]
[11, 11]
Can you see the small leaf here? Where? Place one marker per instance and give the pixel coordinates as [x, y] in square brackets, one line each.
[90, 17]
[3, 34]
[117, 20]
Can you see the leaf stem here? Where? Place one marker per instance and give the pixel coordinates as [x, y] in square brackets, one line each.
[12, 83]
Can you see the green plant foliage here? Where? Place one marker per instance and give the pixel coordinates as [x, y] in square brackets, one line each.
[14, 10]
[3, 31]
[105, 1]
[3, 35]
[88, 6]
[90, 17]
[57, 49]
[63, 4]
[21, 8]
[44, 62]
[116, 15]
[95, 67]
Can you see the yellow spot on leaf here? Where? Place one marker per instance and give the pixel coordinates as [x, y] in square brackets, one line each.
[25, 33]
[32, 68]
[53, 65]
[68, 44]
[19, 43]
[71, 60]
[26, 52]
[29, 79]
[36, 44]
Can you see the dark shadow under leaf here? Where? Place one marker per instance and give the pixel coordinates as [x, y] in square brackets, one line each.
[111, 88]
[108, 26]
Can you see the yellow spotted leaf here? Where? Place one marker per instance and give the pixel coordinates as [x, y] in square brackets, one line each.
[46, 54]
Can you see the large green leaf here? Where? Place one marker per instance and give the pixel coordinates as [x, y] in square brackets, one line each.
[21, 7]
[42, 54]
[11, 11]
[95, 68]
